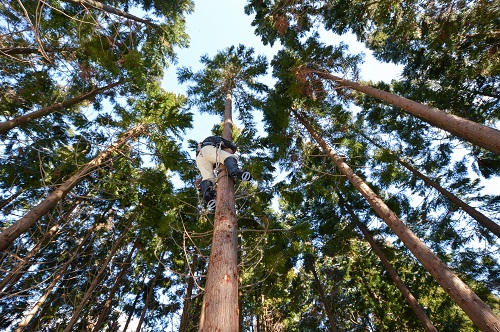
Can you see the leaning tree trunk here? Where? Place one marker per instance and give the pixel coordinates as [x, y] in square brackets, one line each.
[478, 134]
[220, 310]
[471, 211]
[48, 290]
[478, 311]
[23, 119]
[97, 279]
[114, 289]
[21, 267]
[11, 233]
[412, 301]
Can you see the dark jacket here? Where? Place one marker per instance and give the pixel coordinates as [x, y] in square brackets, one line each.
[217, 141]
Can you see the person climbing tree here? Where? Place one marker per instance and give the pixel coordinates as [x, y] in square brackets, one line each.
[209, 154]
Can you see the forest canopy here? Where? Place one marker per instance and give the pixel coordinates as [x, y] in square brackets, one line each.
[366, 209]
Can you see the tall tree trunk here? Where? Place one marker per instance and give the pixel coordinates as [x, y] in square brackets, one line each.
[20, 268]
[326, 305]
[11, 198]
[412, 301]
[116, 285]
[150, 294]
[97, 279]
[11, 233]
[478, 311]
[112, 10]
[29, 316]
[220, 310]
[186, 317]
[477, 215]
[478, 134]
[23, 119]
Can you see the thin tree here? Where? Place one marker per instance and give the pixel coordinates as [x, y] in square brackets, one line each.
[478, 311]
[478, 134]
[23, 119]
[11, 233]
[412, 301]
[227, 78]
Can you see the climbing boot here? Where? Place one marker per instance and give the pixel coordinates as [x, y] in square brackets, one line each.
[208, 193]
[231, 164]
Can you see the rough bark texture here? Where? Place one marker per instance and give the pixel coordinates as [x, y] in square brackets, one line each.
[220, 311]
[483, 136]
[412, 301]
[11, 233]
[20, 120]
[478, 311]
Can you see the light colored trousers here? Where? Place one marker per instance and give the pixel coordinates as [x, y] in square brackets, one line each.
[207, 158]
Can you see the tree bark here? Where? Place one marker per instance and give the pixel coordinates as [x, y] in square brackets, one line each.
[23, 119]
[412, 301]
[29, 316]
[478, 134]
[149, 296]
[220, 311]
[97, 279]
[478, 311]
[21, 267]
[116, 285]
[11, 233]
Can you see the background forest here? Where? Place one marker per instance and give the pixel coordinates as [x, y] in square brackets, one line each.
[102, 228]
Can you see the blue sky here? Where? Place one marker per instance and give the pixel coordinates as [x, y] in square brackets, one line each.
[216, 25]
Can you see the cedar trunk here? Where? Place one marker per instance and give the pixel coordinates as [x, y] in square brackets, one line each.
[11, 233]
[478, 311]
[483, 136]
[220, 311]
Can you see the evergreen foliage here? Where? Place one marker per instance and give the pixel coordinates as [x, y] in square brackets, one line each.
[129, 241]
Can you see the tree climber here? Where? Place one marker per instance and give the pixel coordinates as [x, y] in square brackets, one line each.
[209, 155]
